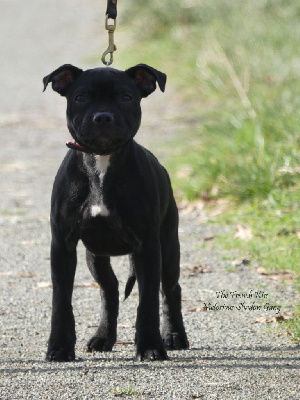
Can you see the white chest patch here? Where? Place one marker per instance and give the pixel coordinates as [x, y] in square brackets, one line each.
[102, 164]
[99, 210]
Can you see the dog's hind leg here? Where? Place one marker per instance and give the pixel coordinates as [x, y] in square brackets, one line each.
[173, 332]
[106, 334]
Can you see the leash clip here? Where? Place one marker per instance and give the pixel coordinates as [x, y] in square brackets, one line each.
[111, 45]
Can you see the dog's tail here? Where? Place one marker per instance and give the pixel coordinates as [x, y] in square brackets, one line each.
[130, 281]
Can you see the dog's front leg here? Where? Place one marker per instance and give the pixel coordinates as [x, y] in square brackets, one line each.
[106, 334]
[61, 345]
[147, 263]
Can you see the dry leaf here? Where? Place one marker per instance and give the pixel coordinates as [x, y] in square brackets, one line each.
[201, 269]
[276, 318]
[199, 205]
[182, 204]
[27, 274]
[91, 285]
[220, 206]
[185, 172]
[240, 261]
[29, 242]
[215, 191]
[279, 277]
[196, 309]
[289, 170]
[186, 207]
[196, 269]
[124, 342]
[44, 284]
[262, 271]
[260, 320]
[188, 210]
[276, 275]
[243, 232]
[209, 237]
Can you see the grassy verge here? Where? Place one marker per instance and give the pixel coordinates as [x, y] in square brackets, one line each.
[236, 65]
[274, 228]
[274, 241]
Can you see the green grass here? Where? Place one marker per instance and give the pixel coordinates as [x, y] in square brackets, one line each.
[275, 228]
[13, 211]
[124, 392]
[293, 326]
[236, 66]
[246, 164]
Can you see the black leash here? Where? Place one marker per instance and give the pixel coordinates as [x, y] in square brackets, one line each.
[111, 13]
[111, 10]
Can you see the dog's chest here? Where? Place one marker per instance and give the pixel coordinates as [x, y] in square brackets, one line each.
[102, 230]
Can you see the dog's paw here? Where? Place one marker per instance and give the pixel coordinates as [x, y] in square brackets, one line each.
[152, 355]
[98, 343]
[175, 341]
[60, 354]
[149, 346]
[150, 350]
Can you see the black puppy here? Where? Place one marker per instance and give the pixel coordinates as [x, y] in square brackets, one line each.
[113, 194]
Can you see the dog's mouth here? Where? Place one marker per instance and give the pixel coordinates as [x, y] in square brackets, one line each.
[77, 146]
[86, 149]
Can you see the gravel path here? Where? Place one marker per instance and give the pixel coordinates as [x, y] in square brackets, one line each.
[230, 357]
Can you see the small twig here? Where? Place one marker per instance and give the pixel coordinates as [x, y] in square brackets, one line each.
[235, 79]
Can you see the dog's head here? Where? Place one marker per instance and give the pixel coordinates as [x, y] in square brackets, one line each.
[103, 104]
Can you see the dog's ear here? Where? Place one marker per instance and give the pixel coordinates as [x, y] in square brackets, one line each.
[62, 78]
[145, 78]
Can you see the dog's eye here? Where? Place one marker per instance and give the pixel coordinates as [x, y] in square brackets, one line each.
[126, 97]
[80, 98]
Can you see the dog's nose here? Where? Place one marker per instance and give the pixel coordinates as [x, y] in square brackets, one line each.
[103, 118]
